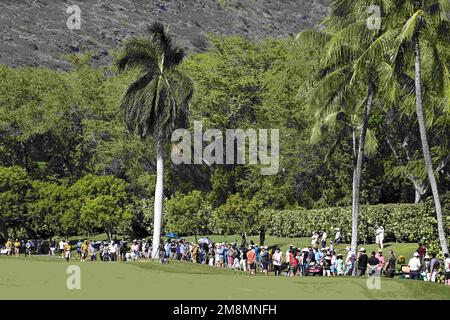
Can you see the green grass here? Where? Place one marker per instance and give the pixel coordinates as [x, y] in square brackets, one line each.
[45, 278]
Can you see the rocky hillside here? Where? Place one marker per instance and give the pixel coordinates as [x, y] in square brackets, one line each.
[34, 32]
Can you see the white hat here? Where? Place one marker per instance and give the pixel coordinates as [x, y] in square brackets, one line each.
[416, 254]
[362, 249]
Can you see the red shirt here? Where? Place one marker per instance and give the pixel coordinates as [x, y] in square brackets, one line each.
[292, 259]
[251, 257]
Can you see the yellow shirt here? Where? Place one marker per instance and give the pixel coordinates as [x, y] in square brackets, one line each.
[8, 244]
[16, 244]
[67, 247]
[84, 247]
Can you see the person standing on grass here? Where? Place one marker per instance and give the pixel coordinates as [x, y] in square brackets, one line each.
[349, 262]
[52, 247]
[372, 264]
[67, 251]
[326, 269]
[264, 260]
[251, 260]
[79, 244]
[379, 236]
[113, 251]
[340, 269]
[414, 266]
[8, 247]
[380, 258]
[362, 262]
[447, 268]
[299, 257]
[84, 248]
[277, 258]
[262, 237]
[17, 248]
[422, 250]
[292, 263]
[324, 239]
[28, 248]
[314, 239]
[389, 267]
[243, 261]
[61, 247]
[332, 254]
[91, 251]
[337, 237]
[433, 268]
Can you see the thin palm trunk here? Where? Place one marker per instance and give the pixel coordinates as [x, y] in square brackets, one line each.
[426, 147]
[158, 208]
[357, 171]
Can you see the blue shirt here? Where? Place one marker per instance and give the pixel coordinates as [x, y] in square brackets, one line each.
[318, 255]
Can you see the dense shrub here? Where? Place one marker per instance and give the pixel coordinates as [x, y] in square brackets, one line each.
[401, 222]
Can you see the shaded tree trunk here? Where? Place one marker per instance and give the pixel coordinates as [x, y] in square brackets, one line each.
[158, 208]
[426, 147]
[357, 170]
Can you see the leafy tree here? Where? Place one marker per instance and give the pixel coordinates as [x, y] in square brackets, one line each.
[104, 213]
[14, 186]
[188, 214]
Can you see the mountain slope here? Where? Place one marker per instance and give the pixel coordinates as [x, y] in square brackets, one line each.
[34, 32]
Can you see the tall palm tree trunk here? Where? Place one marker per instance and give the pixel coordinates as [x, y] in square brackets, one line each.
[158, 208]
[357, 171]
[426, 147]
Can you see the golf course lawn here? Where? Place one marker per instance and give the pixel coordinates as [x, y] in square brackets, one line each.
[45, 278]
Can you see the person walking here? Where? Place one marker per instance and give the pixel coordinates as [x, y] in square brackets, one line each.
[414, 266]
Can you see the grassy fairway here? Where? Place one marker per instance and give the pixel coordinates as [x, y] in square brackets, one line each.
[45, 278]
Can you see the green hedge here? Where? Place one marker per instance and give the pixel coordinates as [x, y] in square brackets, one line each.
[401, 222]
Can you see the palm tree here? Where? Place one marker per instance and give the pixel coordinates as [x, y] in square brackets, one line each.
[348, 71]
[426, 31]
[156, 101]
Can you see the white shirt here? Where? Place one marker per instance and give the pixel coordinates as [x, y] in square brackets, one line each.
[62, 244]
[447, 264]
[380, 232]
[414, 264]
[338, 235]
[324, 236]
[112, 248]
[277, 258]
